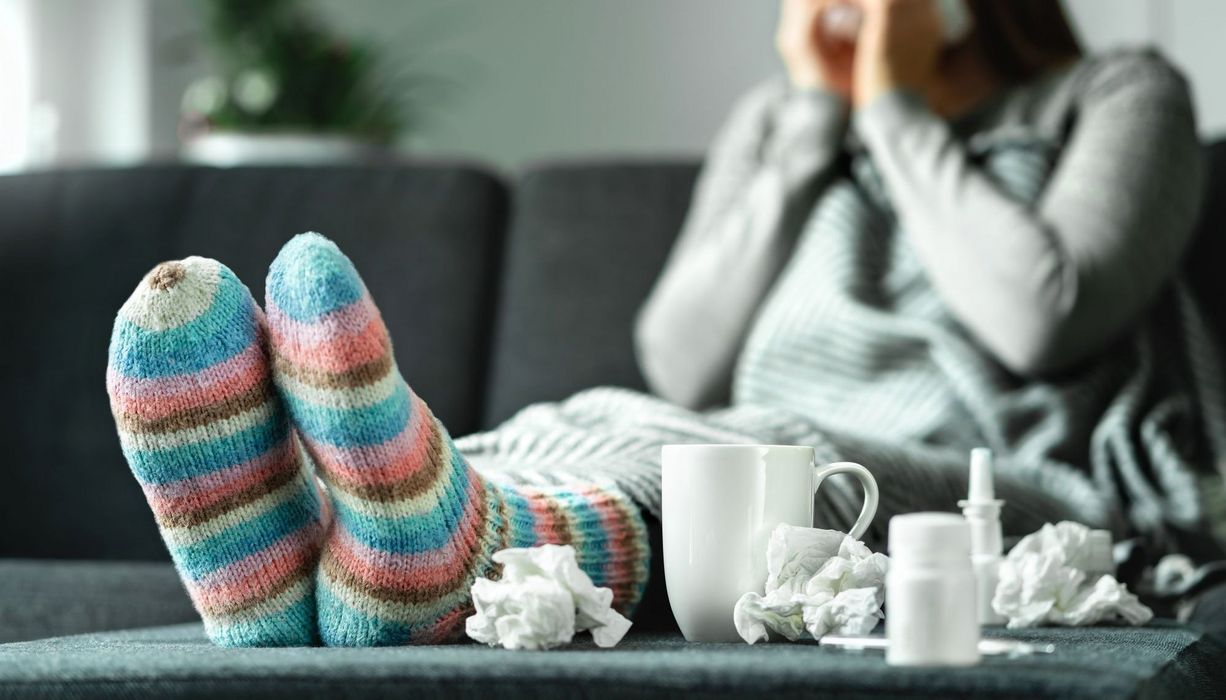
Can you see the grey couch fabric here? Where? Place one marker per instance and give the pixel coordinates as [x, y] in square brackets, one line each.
[583, 250]
[177, 662]
[54, 598]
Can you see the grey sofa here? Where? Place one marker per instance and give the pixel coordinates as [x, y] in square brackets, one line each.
[498, 294]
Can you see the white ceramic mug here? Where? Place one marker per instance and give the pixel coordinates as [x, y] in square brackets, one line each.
[720, 504]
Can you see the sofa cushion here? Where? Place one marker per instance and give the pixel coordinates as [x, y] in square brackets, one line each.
[73, 245]
[1162, 661]
[584, 248]
[54, 598]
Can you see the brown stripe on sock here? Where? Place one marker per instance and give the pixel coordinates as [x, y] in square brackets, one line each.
[561, 532]
[305, 569]
[412, 485]
[451, 624]
[195, 417]
[629, 542]
[192, 518]
[421, 594]
[493, 570]
[356, 377]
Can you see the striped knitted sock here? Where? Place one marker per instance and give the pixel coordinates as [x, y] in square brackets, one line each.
[205, 434]
[415, 524]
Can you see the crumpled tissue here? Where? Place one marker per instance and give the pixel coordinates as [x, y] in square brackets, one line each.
[818, 582]
[542, 600]
[1043, 581]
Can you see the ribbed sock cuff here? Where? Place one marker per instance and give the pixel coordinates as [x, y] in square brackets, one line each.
[604, 526]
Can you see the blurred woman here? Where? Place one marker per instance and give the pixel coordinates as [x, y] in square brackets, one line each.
[932, 239]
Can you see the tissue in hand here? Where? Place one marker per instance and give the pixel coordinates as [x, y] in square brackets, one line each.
[1043, 580]
[819, 582]
[541, 601]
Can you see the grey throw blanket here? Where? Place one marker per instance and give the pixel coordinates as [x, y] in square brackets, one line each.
[853, 335]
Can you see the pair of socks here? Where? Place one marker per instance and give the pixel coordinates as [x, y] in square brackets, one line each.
[226, 416]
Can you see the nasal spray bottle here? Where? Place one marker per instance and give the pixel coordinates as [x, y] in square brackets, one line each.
[982, 511]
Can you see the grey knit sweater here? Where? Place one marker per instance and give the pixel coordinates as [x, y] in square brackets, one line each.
[1041, 287]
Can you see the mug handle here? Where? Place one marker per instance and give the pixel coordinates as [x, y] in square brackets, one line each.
[867, 482]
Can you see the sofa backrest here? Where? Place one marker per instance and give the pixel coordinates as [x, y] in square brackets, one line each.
[585, 245]
[74, 244]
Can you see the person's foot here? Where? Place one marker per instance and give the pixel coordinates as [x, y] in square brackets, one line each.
[206, 436]
[415, 524]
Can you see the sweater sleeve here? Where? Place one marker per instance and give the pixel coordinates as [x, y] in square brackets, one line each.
[1045, 286]
[760, 179]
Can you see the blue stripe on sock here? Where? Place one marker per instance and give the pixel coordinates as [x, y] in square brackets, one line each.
[293, 625]
[341, 625]
[416, 533]
[353, 427]
[590, 538]
[311, 277]
[242, 539]
[224, 330]
[187, 461]
[520, 518]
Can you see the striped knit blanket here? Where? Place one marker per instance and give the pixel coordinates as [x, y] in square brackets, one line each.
[854, 353]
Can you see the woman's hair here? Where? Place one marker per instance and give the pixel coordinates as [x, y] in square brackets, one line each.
[1022, 39]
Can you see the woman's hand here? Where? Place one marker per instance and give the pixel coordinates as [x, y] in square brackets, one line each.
[813, 58]
[898, 46]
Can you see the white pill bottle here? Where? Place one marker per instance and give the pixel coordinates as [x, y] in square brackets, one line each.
[931, 614]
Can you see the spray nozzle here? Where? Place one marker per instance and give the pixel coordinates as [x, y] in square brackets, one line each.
[981, 506]
[981, 488]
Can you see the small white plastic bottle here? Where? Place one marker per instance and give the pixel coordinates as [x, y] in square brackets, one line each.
[981, 508]
[930, 614]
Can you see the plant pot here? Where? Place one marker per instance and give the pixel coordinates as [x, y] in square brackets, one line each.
[230, 148]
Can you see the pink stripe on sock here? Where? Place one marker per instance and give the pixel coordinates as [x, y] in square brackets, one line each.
[545, 525]
[187, 495]
[386, 463]
[449, 627]
[152, 399]
[351, 319]
[318, 349]
[249, 577]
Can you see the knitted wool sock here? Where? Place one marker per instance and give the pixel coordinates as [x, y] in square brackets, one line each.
[415, 524]
[205, 434]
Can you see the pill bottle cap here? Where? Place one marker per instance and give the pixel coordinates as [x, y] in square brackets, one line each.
[930, 538]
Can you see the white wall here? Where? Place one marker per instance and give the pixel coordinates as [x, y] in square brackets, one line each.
[1190, 32]
[539, 79]
[74, 82]
[91, 79]
[16, 83]
[555, 78]
[533, 79]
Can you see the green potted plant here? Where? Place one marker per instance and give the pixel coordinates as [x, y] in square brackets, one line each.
[286, 89]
